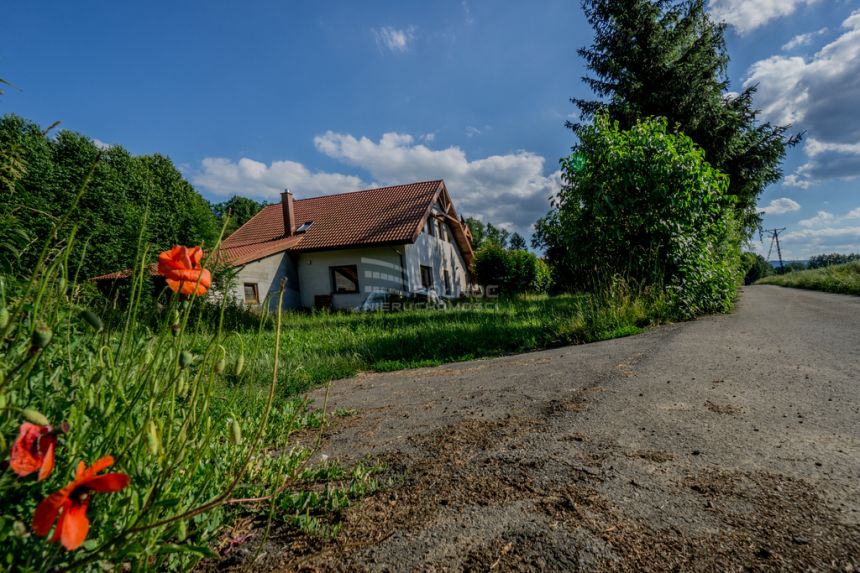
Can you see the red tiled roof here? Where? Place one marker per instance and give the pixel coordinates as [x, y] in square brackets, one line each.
[386, 215]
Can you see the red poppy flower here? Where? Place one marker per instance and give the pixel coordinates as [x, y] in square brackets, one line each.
[71, 503]
[181, 267]
[33, 450]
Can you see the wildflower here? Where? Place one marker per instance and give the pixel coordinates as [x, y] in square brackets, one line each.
[181, 267]
[71, 503]
[33, 450]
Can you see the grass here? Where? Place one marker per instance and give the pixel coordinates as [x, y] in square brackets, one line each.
[842, 279]
[326, 346]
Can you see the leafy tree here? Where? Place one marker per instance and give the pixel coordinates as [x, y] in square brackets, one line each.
[478, 230]
[517, 242]
[643, 203]
[497, 235]
[821, 261]
[127, 195]
[755, 267]
[240, 209]
[667, 58]
[512, 271]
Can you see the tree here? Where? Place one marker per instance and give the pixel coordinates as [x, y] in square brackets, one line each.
[644, 204]
[512, 271]
[240, 209]
[497, 235]
[667, 58]
[127, 196]
[755, 267]
[517, 242]
[478, 230]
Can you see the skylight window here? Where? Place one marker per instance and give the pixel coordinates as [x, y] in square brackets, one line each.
[303, 228]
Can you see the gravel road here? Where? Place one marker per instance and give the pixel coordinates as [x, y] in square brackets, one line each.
[727, 443]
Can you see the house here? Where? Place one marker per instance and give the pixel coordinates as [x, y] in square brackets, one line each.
[335, 249]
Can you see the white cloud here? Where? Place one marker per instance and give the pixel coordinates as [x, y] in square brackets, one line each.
[802, 40]
[510, 189]
[781, 205]
[853, 214]
[747, 15]
[502, 188]
[251, 178]
[394, 39]
[472, 131]
[820, 95]
[821, 218]
[101, 144]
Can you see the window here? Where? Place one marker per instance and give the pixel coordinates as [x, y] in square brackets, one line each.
[252, 295]
[426, 277]
[344, 279]
[431, 226]
[303, 228]
[447, 282]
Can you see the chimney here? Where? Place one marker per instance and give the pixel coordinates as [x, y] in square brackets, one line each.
[289, 213]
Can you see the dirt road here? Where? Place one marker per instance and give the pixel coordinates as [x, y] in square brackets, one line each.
[728, 443]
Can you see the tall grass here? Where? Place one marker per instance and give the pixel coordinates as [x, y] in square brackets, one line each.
[842, 279]
[200, 436]
[327, 346]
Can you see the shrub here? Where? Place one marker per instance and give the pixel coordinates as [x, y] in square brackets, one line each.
[755, 267]
[644, 204]
[513, 271]
[827, 260]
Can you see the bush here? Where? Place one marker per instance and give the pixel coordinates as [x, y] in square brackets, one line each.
[513, 271]
[755, 267]
[645, 205]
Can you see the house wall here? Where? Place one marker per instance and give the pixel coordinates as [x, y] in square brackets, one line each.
[438, 253]
[379, 268]
[267, 274]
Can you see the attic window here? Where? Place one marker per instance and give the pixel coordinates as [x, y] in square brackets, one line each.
[303, 228]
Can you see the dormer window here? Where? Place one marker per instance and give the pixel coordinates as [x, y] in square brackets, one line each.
[303, 228]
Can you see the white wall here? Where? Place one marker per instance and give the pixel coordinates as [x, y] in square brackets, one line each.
[378, 269]
[439, 254]
[267, 274]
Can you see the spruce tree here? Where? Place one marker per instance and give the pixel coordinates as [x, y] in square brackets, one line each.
[668, 58]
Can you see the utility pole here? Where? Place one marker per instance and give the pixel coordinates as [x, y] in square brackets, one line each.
[774, 238]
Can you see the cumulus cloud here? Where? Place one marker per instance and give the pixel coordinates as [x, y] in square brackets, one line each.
[802, 40]
[818, 94]
[255, 179]
[820, 218]
[747, 15]
[101, 144]
[393, 39]
[779, 206]
[509, 188]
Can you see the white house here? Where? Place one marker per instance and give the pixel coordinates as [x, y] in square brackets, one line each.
[335, 249]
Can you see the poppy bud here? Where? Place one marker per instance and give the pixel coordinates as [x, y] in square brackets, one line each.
[2, 396]
[221, 365]
[185, 359]
[235, 432]
[2, 444]
[182, 530]
[181, 385]
[176, 317]
[35, 417]
[93, 320]
[152, 442]
[240, 364]
[176, 329]
[41, 337]
[4, 317]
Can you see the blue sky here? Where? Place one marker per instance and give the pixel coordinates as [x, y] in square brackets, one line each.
[250, 98]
